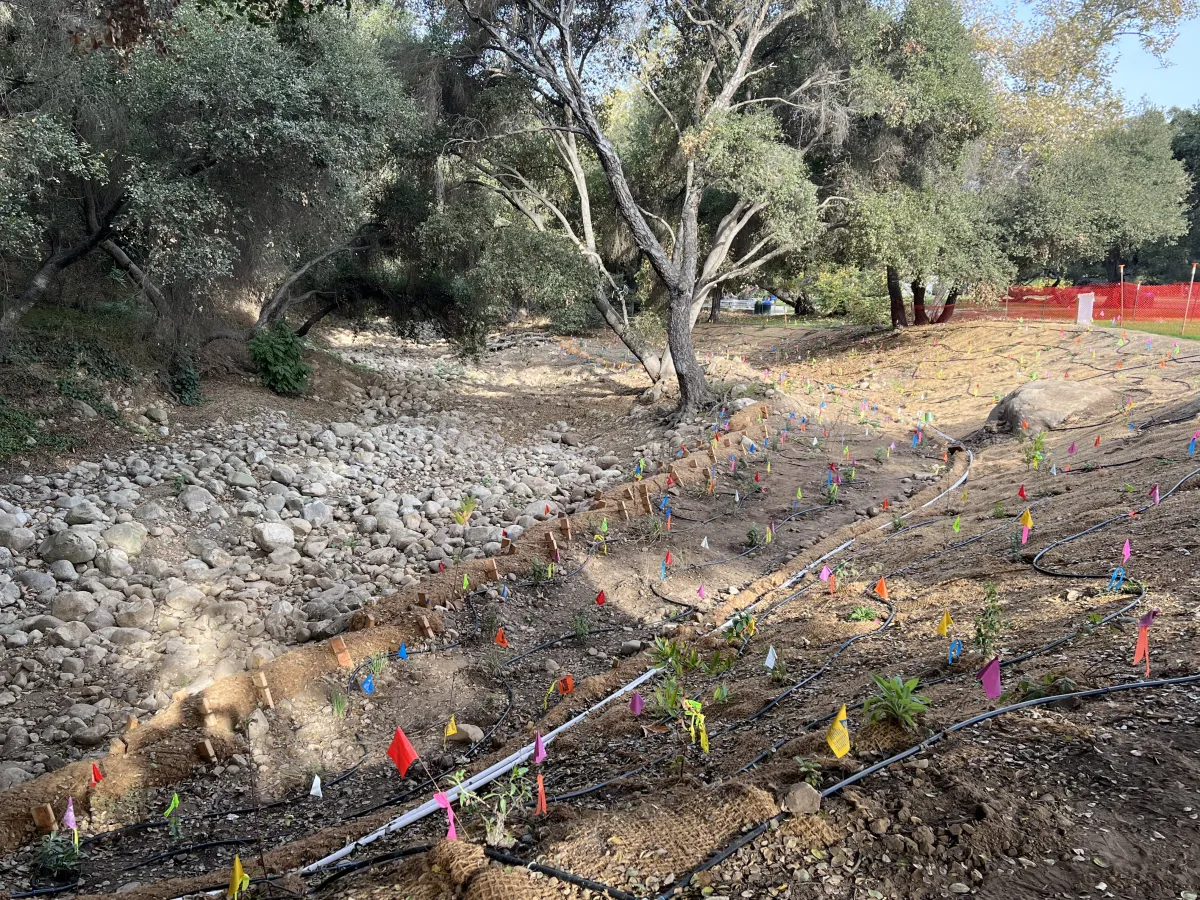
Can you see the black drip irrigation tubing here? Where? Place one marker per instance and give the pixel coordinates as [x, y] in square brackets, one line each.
[760, 829]
[763, 827]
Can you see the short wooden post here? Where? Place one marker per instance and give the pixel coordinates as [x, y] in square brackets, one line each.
[44, 818]
[338, 646]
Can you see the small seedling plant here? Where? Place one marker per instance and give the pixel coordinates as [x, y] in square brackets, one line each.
[862, 614]
[897, 702]
[493, 808]
[58, 858]
[989, 624]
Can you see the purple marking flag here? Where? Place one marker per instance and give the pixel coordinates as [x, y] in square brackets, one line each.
[990, 676]
[1148, 619]
[68, 819]
[637, 704]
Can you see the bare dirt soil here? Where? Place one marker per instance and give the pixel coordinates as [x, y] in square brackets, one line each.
[1079, 797]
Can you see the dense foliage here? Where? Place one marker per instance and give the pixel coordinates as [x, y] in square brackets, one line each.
[438, 163]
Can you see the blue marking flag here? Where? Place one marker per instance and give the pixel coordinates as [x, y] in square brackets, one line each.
[368, 684]
[402, 652]
[956, 648]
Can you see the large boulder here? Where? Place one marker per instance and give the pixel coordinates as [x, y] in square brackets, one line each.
[1046, 405]
[273, 535]
[127, 536]
[73, 606]
[18, 540]
[71, 544]
[196, 499]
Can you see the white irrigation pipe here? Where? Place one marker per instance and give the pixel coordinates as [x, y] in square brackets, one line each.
[494, 771]
[491, 773]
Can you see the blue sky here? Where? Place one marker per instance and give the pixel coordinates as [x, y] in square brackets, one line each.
[1140, 76]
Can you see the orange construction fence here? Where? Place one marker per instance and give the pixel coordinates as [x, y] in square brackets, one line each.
[1162, 305]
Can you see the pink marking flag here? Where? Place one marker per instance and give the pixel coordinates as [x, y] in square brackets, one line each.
[990, 676]
[444, 802]
[1154, 495]
[1126, 551]
[1024, 533]
[539, 749]
[1071, 449]
[68, 819]
[636, 704]
[700, 592]
[825, 573]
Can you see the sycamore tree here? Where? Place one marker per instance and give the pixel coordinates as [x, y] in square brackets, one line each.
[1051, 68]
[697, 61]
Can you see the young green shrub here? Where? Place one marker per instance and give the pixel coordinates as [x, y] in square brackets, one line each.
[667, 700]
[581, 627]
[277, 354]
[810, 770]
[721, 694]
[753, 536]
[989, 624]
[466, 507]
[897, 702]
[58, 859]
[862, 614]
[184, 380]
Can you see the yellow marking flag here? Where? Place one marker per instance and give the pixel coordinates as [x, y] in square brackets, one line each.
[944, 626]
[1027, 519]
[238, 879]
[838, 737]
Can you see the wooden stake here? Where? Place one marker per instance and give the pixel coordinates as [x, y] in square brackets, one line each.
[490, 570]
[206, 751]
[565, 522]
[338, 646]
[44, 818]
[422, 599]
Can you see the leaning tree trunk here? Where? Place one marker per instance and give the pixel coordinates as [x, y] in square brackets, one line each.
[59, 259]
[918, 292]
[646, 355]
[693, 388]
[896, 295]
[948, 308]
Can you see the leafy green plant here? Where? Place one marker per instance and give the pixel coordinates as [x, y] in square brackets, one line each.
[880, 454]
[672, 654]
[489, 621]
[466, 507]
[58, 859]
[989, 624]
[743, 627]
[1034, 452]
[862, 614]
[581, 627]
[87, 392]
[897, 702]
[19, 433]
[667, 700]
[378, 662]
[753, 536]
[540, 571]
[1049, 685]
[897, 521]
[721, 693]
[494, 807]
[810, 770]
[831, 493]
[277, 354]
[184, 380]
[998, 510]
[719, 663]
